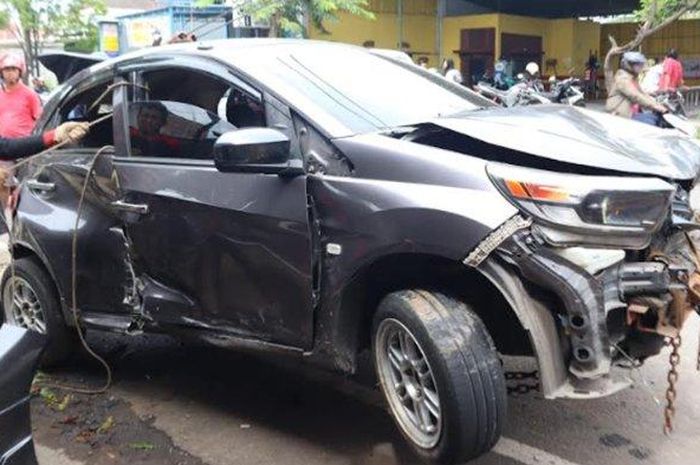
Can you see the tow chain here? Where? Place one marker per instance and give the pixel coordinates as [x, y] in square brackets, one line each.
[521, 387]
[670, 410]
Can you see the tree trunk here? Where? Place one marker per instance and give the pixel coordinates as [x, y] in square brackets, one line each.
[275, 28]
[28, 49]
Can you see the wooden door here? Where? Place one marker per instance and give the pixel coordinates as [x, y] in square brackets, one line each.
[477, 53]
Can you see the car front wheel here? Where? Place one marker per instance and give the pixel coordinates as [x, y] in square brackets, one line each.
[440, 374]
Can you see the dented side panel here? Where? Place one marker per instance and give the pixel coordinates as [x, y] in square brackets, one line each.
[383, 212]
[227, 252]
[101, 253]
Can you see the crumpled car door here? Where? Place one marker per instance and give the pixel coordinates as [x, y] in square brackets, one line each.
[20, 351]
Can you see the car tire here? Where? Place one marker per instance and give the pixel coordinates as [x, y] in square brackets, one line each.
[445, 368]
[37, 286]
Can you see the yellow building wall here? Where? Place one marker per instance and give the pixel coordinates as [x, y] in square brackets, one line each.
[418, 24]
[524, 25]
[452, 30]
[570, 42]
[566, 40]
[558, 44]
[586, 40]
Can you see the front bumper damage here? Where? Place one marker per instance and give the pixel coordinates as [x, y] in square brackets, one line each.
[585, 320]
[20, 351]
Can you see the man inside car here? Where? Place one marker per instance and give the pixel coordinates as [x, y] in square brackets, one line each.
[146, 137]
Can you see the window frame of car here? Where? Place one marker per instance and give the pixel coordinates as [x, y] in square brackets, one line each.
[133, 71]
[70, 92]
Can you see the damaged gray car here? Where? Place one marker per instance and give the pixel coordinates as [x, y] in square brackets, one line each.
[318, 200]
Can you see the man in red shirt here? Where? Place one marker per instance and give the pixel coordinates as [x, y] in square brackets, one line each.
[20, 106]
[672, 77]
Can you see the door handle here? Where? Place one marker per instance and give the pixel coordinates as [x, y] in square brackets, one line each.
[141, 209]
[35, 185]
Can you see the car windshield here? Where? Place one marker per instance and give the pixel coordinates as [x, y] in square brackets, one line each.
[364, 92]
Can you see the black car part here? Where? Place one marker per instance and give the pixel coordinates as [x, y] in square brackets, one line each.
[20, 351]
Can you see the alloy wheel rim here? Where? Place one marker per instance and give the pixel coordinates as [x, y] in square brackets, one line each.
[409, 384]
[22, 306]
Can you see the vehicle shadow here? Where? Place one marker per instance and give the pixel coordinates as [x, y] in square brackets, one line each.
[337, 416]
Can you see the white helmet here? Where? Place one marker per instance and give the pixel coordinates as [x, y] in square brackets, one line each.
[13, 60]
[532, 68]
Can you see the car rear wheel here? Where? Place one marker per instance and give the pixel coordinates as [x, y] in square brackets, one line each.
[440, 374]
[30, 300]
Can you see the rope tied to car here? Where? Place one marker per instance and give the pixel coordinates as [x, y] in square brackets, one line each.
[74, 281]
[74, 244]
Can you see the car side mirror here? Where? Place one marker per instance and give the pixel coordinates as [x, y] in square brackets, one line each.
[255, 150]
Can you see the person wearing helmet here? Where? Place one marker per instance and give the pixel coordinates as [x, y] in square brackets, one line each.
[626, 97]
[532, 76]
[20, 106]
[533, 70]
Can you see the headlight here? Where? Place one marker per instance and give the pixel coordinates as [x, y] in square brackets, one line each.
[594, 205]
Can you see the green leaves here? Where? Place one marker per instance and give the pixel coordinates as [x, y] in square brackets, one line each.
[288, 18]
[657, 11]
[67, 19]
[34, 22]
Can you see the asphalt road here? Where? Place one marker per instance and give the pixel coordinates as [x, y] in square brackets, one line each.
[227, 409]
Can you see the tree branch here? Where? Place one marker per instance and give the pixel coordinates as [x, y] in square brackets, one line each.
[648, 28]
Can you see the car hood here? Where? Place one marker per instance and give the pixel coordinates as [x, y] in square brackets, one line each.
[583, 137]
[66, 64]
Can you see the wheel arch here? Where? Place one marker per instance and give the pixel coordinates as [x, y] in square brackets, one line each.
[21, 249]
[344, 332]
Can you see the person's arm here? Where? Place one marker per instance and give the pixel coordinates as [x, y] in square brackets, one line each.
[12, 149]
[35, 106]
[627, 87]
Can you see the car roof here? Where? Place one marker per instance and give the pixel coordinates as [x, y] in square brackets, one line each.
[239, 53]
[228, 49]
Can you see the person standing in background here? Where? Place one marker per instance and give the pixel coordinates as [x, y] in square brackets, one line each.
[20, 106]
[672, 77]
[651, 78]
[450, 72]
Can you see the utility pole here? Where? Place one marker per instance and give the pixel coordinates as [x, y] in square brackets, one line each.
[440, 15]
[399, 15]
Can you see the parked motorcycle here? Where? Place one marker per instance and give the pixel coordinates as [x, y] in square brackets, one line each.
[520, 94]
[567, 92]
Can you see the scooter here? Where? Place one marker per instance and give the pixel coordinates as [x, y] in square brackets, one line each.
[520, 94]
[674, 101]
[677, 117]
[567, 92]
